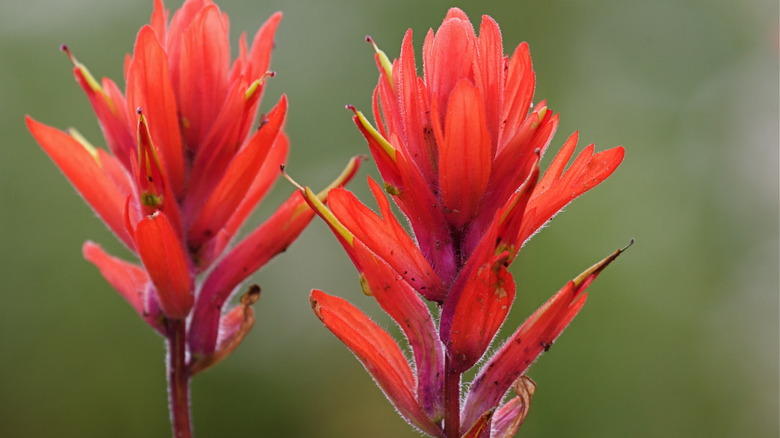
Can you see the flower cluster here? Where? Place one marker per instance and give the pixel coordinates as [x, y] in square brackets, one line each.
[458, 149]
[184, 171]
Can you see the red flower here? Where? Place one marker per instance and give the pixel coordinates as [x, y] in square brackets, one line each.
[459, 151]
[185, 169]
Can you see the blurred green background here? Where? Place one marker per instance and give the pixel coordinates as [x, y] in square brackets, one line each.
[680, 335]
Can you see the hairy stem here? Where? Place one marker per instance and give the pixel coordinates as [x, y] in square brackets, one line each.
[178, 380]
[451, 400]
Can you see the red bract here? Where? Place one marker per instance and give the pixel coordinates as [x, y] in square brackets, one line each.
[185, 169]
[459, 151]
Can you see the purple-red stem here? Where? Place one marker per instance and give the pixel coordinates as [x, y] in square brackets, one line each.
[451, 400]
[178, 380]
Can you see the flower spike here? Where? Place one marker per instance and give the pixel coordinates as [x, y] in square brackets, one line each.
[183, 170]
[458, 149]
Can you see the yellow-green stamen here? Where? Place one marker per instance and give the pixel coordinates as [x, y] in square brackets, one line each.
[386, 146]
[384, 61]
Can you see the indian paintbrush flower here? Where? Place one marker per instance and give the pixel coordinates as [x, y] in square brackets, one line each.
[458, 149]
[184, 171]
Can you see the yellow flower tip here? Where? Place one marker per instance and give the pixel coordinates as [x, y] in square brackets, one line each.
[85, 143]
[384, 61]
[540, 113]
[317, 200]
[364, 286]
[93, 83]
[600, 266]
[145, 139]
[325, 213]
[257, 85]
[383, 143]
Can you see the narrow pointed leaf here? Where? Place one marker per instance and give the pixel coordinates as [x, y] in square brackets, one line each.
[396, 297]
[128, 279]
[536, 335]
[86, 174]
[556, 191]
[489, 66]
[108, 104]
[411, 104]
[377, 351]
[518, 92]
[385, 237]
[237, 179]
[263, 182]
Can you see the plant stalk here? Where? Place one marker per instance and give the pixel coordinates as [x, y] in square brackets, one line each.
[451, 400]
[178, 380]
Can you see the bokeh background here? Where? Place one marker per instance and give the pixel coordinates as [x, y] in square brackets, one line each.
[680, 335]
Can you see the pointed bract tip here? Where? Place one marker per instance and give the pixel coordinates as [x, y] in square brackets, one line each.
[324, 212]
[383, 143]
[384, 61]
[86, 75]
[600, 266]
